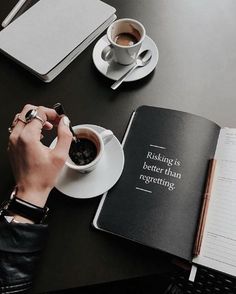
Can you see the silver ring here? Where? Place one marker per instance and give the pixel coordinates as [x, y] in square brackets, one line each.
[32, 114]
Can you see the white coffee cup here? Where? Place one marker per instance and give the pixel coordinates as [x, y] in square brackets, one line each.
[125, 37]
[98, 139]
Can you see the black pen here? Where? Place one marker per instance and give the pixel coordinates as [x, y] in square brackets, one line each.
[58, 107]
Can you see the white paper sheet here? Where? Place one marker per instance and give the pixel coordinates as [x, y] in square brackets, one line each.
[218, 248]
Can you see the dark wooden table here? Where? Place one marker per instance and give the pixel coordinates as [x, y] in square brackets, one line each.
[196, 73]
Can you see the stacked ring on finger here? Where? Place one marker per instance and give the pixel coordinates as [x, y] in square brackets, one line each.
[17, 118]
[21, 119]
[33, 114]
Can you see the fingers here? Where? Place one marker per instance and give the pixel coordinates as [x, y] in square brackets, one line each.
[19, 123]
[37, 121]
[33, 129]
[48, 125]
[64, 138]
[46, 114]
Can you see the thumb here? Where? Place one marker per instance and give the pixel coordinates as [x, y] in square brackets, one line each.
[64, 137]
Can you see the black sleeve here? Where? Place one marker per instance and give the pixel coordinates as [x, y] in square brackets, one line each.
[20, 247]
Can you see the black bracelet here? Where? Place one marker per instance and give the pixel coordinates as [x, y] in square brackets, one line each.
[35, 213]
[28, 210]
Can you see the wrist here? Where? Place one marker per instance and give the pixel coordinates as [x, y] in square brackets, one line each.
[19, 210]
[33, 196]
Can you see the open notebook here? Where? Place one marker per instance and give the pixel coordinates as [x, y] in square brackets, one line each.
[159, 197]
[51, 34]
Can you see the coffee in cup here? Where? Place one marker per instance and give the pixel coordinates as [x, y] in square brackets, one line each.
[85, 154]
[125, 37]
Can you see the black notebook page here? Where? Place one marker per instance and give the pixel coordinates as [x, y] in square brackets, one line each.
[157, 200]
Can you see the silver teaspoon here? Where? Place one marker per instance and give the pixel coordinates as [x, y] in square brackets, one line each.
[143, 58]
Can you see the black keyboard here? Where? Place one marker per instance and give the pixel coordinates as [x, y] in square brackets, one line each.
[206, 281]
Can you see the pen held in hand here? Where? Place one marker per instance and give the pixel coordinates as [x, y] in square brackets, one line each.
[58, 107]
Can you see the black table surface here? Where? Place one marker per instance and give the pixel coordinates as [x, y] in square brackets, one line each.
[196, 73]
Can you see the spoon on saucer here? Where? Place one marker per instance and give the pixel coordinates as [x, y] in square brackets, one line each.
[143, 59]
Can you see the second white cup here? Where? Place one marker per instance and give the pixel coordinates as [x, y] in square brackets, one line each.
[125, 37]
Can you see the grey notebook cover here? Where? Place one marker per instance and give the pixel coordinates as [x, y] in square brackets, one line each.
[48, 32]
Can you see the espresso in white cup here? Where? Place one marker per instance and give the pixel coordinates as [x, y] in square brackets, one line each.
[125, 37]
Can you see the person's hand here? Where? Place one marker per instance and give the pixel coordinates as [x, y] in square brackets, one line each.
[35, 166]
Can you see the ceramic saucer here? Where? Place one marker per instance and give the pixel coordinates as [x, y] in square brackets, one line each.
[105, 175]
[114, 70]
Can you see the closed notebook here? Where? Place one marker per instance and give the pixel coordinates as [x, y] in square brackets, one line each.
[47, 37]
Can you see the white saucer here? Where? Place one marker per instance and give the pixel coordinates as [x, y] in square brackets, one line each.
[100, 180]
[114, 70]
